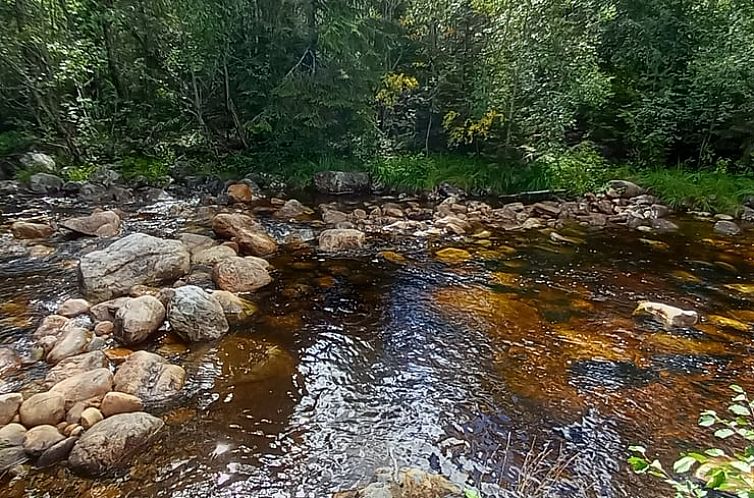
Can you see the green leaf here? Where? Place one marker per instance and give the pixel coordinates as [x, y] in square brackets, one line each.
[739, 410]
[471, 493]
[717, 479]
[683, 465]
[740, 466]
[737, 389]
[723, 433]
[637, 449]
[707, 420]
[714, 452]
[638, 464]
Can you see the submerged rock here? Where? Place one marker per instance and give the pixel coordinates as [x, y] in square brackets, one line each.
[137, 259]
[233, 306]
[138, 319]
[101, 224]
[26, 230]
[149, 376]
[341, 182]
[241, 275]
[725, 227]
[341, 239]
[110, 444]
[452, 255]
[668, 315]
[196, 315]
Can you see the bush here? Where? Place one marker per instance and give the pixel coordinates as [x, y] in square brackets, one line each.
[577, 170]
[721, 471]
[13, 141]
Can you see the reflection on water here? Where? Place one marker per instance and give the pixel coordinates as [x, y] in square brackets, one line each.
[454, 365]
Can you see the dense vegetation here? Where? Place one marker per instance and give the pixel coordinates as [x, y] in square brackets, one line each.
[545, 92]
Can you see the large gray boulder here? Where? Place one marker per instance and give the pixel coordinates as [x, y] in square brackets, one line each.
[138, 259]
[37, 161]
[341, 182]
[44, 183]
[196, 315]
[149, 376]
[137, 319]
[110, 444]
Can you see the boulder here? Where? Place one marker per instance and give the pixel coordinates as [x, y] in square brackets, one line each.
[623, 189]
[137, 259]
[101, 224]
[341, 182]
[56, 453]
[12, 435]
[106, 311]
[341, 239]
[240, 193]
[292, 209]
[195, 242]
[11, 457]
[84, 386]
[90, 417]
[138, 319]
[75, 365]
[240, 275]
[52, 325]
[149, 376]
[726, 227]
[251, 236]
[37, 161]
[45, 183]
[669, 315]
[73, 307]
[116, 402]
[75, 340]
[110, 444]
[212, 255]
[9, 405]
[26, 230]
[195, 315]
[46, 408]
[41, 438]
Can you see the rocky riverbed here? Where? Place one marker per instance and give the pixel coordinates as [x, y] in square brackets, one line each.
[225, 342]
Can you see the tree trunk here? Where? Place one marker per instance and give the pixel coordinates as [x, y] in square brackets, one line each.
[231, 106]
[112, 62]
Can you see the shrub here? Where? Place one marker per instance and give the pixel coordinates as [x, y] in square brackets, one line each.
[720, 471]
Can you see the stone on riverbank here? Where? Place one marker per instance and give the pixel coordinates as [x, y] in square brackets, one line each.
[240, 193]
[212, 255]
[45, 183]
[138, 319]
[9, 405]
[26, 230]
[101, 224]
[137, 259]
[110, 444]
[56, 453]
[251, 236]
[149, 376]
[71, 308]
[12, 435]
[73, 341]
[116, 402]
[195, 315]
[46, 408]
[75, 365]
[341, 239]
[39, 439]
[668, 315]
[292, 209]
[726, 227]
[84, 386]
[341, 182]
[241, 275]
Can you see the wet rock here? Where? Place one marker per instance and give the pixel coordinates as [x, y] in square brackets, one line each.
[106, 311]
[239, 193]
[251, 236]
[405, 483]
[9, 361]
[241, 275]
[662, 225]
[56, 453]
[195, 315]
[9, 405]
[12, 435]
[149, 376]
[233, 306]
[195, 242]
[46, 408]
[37, 161]
[90, 417]
[547, 209]
[41, 438]
[74, 340]
[75, 365]
[110, 444]
[453, 224]
[212, 255]
[84, 386]
[293, 209]
[52, 325]
[341, 182]
[45, 183]
[133, 260]
[747, 214]
[562, 239]
[101, 224]
[26, 230]
[668, 315]
[341, 239]
[73, 307]
[138, 319]
[116, 402]
[725, 227]
[623, 189]
[452, 255]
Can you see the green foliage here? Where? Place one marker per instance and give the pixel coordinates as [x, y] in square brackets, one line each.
[716, 191]
[577, 170]
[153, 169]
[13, 141]
[80, 173]
[715, 469]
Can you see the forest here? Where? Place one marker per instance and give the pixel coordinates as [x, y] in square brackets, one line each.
[496, 94]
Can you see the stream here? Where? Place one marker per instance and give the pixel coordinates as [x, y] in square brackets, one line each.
[459, 367]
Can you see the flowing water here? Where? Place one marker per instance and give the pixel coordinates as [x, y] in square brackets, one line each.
[460, 367]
